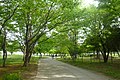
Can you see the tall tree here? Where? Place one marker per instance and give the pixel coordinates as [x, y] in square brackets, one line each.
[101, 24]
[35, 18]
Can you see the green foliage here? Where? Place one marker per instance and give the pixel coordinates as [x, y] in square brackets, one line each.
[64, 18]
[12, 76]
[102, 22]
[34, 19]
[13, 46]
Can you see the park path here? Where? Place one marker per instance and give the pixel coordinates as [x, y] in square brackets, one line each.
[51, 69]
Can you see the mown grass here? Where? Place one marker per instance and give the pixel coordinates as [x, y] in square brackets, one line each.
[14, 65]
[108, 69]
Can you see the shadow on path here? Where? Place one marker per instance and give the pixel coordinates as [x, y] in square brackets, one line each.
[51, 69]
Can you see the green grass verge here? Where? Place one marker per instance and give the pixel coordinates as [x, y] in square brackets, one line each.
[14, 65]
[109, 69]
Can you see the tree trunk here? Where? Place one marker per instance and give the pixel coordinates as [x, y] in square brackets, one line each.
[24, 57]
[105, 56]
[73, 56]
[118, 53]
[98, 56]
[26, 43]
[40, 55]
[4, 57]
[29, 58]
[82, 57]
[26, 61]
[111, 58]
[4, 48]
[104, 52]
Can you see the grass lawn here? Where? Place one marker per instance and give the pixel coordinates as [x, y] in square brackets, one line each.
[109, 69]
[14, 65]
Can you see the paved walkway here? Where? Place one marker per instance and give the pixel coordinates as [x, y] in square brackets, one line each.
[51, 69]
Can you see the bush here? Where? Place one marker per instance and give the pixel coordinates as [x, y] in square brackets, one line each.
[12, 76]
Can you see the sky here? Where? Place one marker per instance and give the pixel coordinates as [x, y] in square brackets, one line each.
[86, 3]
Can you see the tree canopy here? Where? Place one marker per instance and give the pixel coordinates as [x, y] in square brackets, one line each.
[43, 25]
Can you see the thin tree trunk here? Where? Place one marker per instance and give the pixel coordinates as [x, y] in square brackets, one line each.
[4, 57]
[29, 57]
[4, 48]
[111, 58]
[94, 56]
[82, 57]
[118, 53]
[98, 56]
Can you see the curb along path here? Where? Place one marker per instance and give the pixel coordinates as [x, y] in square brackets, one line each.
[51, 69]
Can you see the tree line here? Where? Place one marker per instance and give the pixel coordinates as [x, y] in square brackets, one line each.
[44, 25]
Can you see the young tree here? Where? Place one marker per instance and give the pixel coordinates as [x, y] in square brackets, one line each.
[8, 9]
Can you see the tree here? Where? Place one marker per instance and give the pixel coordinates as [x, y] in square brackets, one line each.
[35, 18]
[111, 21]
[12, 46]
[103, 19]
[73, 48]
[44, 45]
[7, 12]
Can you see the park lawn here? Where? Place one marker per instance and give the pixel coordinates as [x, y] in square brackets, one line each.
[108, 69]
[14, 65]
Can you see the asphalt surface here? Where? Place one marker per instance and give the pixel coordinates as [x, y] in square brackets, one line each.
[51, 69]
